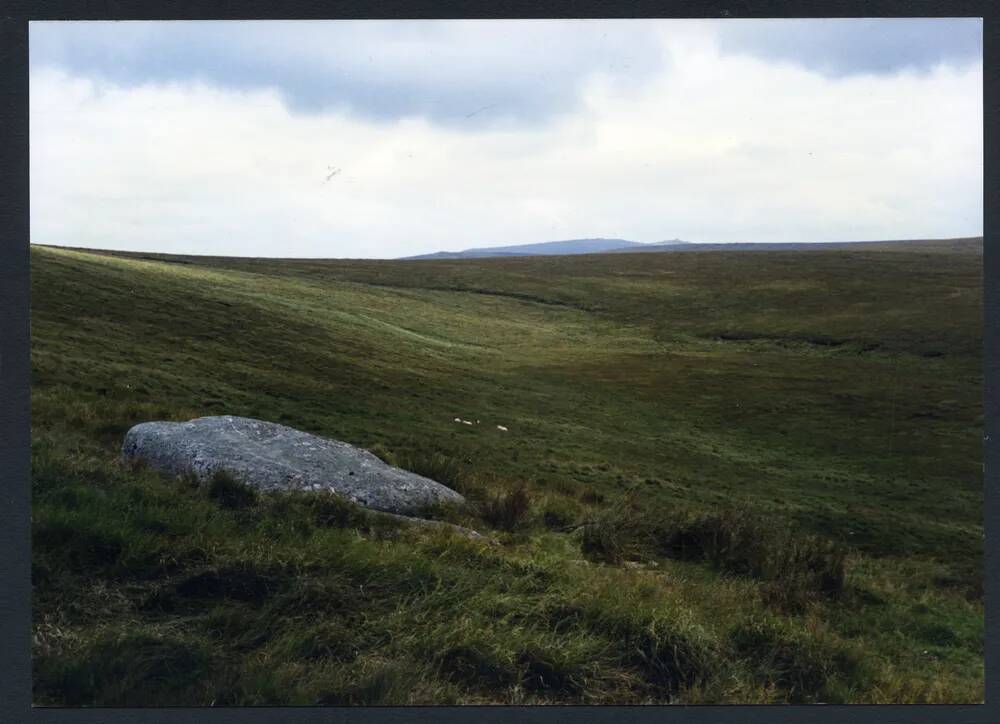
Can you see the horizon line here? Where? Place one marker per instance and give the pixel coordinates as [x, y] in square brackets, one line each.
[979, 237]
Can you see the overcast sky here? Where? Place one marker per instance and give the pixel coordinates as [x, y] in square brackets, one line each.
[390, 138]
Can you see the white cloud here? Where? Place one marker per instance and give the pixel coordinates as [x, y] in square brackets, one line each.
[714, 148]
[524, 70]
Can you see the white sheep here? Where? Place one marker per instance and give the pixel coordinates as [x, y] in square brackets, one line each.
[501, 428]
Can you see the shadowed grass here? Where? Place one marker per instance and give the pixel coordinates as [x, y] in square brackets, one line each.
[797, 566]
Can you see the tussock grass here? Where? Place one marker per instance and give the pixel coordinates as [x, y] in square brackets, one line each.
[132, 669]
[807, 667]
[229, 492]
[798, 567]
[506, 510]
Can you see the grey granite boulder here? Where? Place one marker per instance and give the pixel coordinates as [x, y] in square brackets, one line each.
[269, 456]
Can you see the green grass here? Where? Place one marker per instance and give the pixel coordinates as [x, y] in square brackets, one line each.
[727, 477]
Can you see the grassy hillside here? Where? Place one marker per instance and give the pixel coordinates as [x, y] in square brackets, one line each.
[727, 477]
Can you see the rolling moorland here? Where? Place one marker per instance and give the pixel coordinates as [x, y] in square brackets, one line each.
[726, 478]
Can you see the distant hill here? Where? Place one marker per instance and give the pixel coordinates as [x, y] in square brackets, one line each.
[550, 248]
[624, 246]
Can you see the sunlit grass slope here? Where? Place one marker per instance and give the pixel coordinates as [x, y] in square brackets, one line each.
[726, 477]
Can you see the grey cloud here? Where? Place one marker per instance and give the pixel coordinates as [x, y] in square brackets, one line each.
[466, 73]
[839, 47]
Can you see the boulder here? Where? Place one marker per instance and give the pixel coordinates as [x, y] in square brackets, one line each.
[269, 456]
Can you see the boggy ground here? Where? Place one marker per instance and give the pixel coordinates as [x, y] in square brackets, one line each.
[727, 477]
